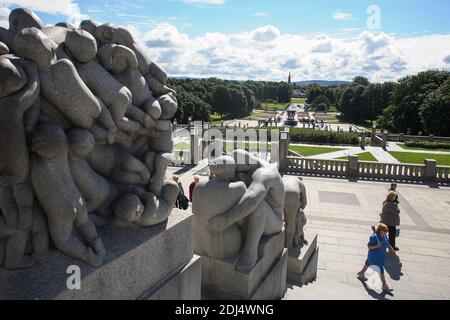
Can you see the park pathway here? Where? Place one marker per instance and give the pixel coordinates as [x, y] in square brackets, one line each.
[381, 155]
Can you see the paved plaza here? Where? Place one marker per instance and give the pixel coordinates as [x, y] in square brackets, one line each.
[341, 212]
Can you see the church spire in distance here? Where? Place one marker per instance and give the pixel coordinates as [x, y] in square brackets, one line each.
[289, 78]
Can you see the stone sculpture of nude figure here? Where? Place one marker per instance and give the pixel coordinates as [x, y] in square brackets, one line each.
[60, 83]
[16, 227]
[253, 208]
[119, 165]
[155, 76]
[145, 209]
[116, 96]
[19, 89]
[94, 188]
[122, 63]
[60, 199]
[263, 183]
[295, 203]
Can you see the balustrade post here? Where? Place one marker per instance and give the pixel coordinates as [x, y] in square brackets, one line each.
[283, 150]
[401, 138]
[353, 166]
[430, 171]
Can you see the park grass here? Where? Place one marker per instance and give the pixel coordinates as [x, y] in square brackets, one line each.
[404, 146]
[181, 146]
[365, 156]
[419, 158]
[298, 100]
[308, 151]
[273, 106]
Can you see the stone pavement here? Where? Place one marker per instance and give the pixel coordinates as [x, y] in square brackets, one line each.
[341, 212]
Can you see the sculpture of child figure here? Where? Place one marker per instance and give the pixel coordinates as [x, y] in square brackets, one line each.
[144, 208]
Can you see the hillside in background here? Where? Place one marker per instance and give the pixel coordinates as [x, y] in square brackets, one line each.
[323, 83]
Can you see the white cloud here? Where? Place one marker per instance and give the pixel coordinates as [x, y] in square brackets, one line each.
[260, 14]
[447, 59]
[205, 1]
[268, 54]
[4, 14]
[340, 15]
[68, 8]
[265, 34]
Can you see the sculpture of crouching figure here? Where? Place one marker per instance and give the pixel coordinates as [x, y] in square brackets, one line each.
[60, 199]
[295, 219]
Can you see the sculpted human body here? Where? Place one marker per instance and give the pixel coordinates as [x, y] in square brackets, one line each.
[118, 164]
[295, 203]
[60, 199]
[258, 210]
[60, 83]
[19, 90]
[94, 188]
[145, 209]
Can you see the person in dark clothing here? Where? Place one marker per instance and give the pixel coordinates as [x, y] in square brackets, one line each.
[394, 189]
[192, 186]
[390, 216]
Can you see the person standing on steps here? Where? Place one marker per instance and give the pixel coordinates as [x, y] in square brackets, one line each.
[378, 243]
[390, 216]
[192, 186]
[394, 189]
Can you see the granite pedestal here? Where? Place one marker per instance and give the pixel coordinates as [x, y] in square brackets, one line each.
[141, 263]
[302, 262]
[267, 280]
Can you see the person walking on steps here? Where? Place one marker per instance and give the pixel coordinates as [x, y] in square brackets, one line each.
[377, 245]
[390, 216]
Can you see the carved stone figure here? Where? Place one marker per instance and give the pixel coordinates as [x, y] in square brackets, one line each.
[119, 165]
[60, 83]
[85, 127]
[19, 89]
[94, 188]
[22, 18]
[295, 203]
[61, 200]
[144, 208]
[259, 209]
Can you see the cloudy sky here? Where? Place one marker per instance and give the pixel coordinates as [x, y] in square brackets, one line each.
[267, 39]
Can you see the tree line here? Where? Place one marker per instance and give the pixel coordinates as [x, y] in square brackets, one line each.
[200, 98]
[418, 102]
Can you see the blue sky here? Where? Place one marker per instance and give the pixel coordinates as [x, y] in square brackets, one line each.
[274, 33]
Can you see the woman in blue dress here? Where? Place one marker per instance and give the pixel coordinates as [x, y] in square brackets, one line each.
[378, 243]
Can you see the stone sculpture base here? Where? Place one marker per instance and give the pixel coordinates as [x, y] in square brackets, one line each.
[266, 281]
[302, 262]
[141, 263]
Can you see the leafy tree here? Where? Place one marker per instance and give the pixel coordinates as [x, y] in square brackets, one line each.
[321, 103]
[435, 111]
[222, 100]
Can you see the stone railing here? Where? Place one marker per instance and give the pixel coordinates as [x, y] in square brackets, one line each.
[409, 138]
[316, 166]
[388, 170]
[428, 172]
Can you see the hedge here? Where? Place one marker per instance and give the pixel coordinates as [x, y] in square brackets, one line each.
[427, 145]
[301, 135]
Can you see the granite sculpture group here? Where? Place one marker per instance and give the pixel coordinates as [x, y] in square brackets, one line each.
[85, 129]
[86, 137]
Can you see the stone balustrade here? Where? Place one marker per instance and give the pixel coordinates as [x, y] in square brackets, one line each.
[427, 172]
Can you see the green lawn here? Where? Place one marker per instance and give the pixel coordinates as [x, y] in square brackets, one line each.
[308, 151]
[274, 106]
[404, 146]
[365, 156]
[181, 146]
[411, 157]
[298, 100]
